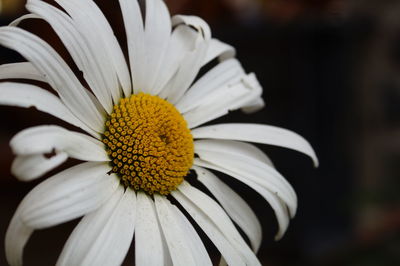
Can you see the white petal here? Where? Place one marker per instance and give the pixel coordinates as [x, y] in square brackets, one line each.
[253, 106]
[189, 68]
[197, 247]
[224, 74]
[29, 167]
[103, 237]
[19, 232]
[147, 43]
[157, 35]
[245, 149]
[149, 249]
[178, 245]
[45, 139]
[25, 95]
[221, 220]
[79, 50]
[252, 169]
[16, 237]
[68, 195]
[239, 211]
[198, 23]
[182, 40]
[94, 26]
[219, 49]
[192, 61]
[231, 255]
[257, 133]
[134, 28]
[223, 100]
[184, 242]
[16, 22]
[57, 72]
[279, 208]
[24, 70]
[277, 205]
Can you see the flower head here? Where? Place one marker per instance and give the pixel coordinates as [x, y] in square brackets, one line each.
[149, 144]
[141, 137]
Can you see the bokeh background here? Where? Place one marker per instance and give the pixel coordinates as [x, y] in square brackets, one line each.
[331, 72]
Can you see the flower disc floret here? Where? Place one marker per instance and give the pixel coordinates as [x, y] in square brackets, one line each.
[149, 144]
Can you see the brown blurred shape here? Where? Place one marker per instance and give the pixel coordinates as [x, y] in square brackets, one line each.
[286, 10]
[10, 8]
[277, 10]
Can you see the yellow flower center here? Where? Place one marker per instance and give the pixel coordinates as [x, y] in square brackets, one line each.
[150, 146]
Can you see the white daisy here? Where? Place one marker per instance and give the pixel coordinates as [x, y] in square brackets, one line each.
[142, 124]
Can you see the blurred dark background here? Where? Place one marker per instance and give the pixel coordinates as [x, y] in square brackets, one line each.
[331, 72]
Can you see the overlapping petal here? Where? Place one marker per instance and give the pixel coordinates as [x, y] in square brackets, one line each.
[182, 40]
[61, 198]
[147, 42]
[224, 99]
[252, 169]
[93, 70]
[17, 21]
[224, 246]
[264, 190]
[99, 37]
[221, 220]
[231, 146]
[149, 241]
[29, 167]
[103, 237]
[46, 139]
[24, 70]
[184, 249]
[220, 50]
[192, 60]
[224, 74]
[25, 95]
[259, 134]
[237, 209]
[156, 37]
[199, 251]
[57, 73]
[17, 236]
[68, 195]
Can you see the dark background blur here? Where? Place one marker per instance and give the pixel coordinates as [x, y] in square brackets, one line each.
[330, 72]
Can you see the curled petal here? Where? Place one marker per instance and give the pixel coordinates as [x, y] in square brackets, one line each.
[259, 134]
[46, 139]
[29, 167]
[219, 49]
[224, 99]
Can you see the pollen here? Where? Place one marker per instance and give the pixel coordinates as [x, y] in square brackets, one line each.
[149, 144]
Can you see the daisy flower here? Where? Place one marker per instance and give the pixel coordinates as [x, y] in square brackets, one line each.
[139, 134]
